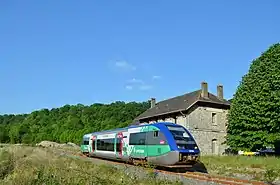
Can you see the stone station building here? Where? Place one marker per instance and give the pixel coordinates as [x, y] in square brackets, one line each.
[201, 112]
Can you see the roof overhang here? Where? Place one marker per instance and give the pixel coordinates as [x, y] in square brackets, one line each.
[180, 110]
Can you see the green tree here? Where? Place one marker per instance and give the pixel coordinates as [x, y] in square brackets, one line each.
[68, 123]
[254, 116]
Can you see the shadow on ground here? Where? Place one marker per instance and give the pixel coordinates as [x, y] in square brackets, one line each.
[198, 167]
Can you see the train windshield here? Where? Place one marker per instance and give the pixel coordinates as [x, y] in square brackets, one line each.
[85, 141]
[179, 133]
[182, 138]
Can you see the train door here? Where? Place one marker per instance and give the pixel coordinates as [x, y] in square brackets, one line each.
[93, 141]
[119, 145]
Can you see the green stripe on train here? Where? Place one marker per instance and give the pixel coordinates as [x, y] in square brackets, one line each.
[84, 148]
[149, 150]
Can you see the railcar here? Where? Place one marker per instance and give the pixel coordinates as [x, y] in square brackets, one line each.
[162, 144]
[85, 144]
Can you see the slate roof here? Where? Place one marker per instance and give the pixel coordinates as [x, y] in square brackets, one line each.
[180, 103]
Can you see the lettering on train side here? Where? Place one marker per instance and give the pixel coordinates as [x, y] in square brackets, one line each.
[139, 151]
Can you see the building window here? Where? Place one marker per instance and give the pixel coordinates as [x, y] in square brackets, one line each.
[187, 121]
[214, 118]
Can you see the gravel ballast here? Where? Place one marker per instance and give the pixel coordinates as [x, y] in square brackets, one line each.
[140, 172]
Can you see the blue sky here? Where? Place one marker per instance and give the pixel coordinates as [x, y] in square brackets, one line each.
[54, 53]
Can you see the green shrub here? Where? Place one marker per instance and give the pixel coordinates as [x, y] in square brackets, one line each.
[271, 175]
[6, 163]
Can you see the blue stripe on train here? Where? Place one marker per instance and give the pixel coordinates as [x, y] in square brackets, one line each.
[170, 138]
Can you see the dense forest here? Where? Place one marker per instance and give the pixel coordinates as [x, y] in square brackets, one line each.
[254, 114]
[68, 123]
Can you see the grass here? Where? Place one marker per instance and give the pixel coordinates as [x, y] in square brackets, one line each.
[33, 165]
[255, 167]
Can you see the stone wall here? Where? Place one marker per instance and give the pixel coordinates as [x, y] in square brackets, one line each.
[210, 143]
[208, 126]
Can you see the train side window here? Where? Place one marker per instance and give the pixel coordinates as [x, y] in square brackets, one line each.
[155, 133]
[137, 138]
[106, 144]
[141, 142]
[98, 145]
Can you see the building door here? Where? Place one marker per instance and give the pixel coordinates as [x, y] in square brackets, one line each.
[215, 149]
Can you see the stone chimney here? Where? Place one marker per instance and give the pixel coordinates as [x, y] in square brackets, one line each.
[220, 92]
[153, 102]
[204, 90]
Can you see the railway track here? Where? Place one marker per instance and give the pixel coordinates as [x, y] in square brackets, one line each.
[193, 175]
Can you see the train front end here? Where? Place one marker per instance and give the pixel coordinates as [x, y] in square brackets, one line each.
[184, 145]
[84, 147]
